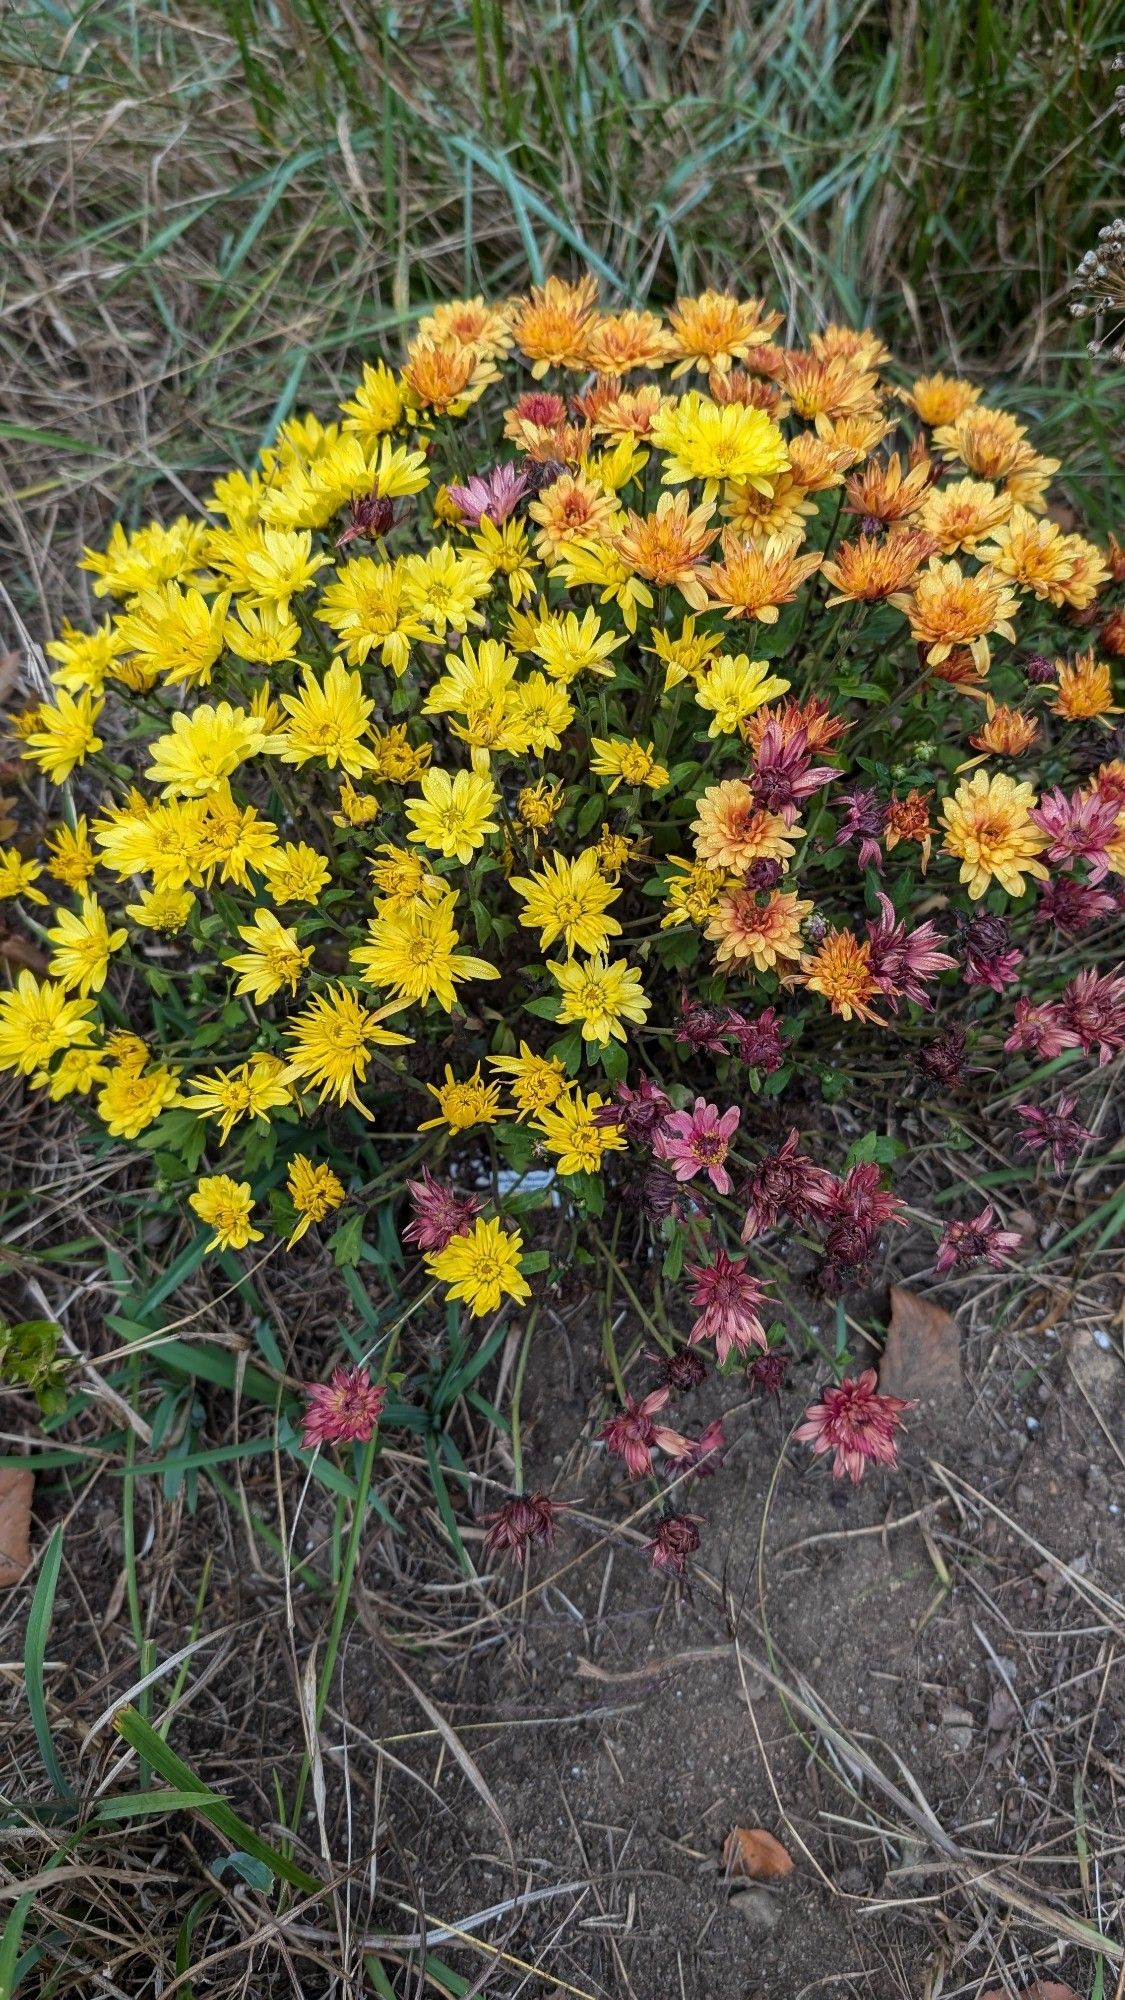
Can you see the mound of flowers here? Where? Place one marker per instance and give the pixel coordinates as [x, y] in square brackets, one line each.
[606, 723]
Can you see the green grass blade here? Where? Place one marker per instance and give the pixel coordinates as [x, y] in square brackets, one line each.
[34, 1655]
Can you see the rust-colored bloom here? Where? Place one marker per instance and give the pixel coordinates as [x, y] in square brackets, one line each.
[812, 719]
[552, 327]
[675, 1541]
[714, 330]
[829, 386]
[533, 416]
[754, 582]
[876, 566]
[618, 342]
[884, 492]
[1085, 689]
[786, 1182]
[668, 547]
[909, 819]
[731, 830]
[946, 608]
[960, 670]
[612, 410]
[520, 1522]
[634, 1434]
[343, 1410]
[1113, 634]
[445, 379]
[740, 387]
[857, 1424]
[762, 929]
[1007, 732]
[963, 1244]
[817, 464]
[840, 970]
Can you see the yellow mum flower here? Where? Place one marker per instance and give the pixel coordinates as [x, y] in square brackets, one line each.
[154, 555]
[263, 638]
[602, 995]
[232, 839]
[83, 943]
[225, 1206]
[692, 895]
[507, 552]
[73, 860]
[535, 1081]
[203, 748]
[686, 654]
[365, 606]
[626, 763]
[553, 326]
[462, 1105]
[37, 1019]
[17, 876]
[400, 876]
[482, 1267]
[571, 1132]
[568, 899]
[840, 971]
[989, 829]
[470, 323]
[733, 687]
[575, 507]
[85, 658]
[539, 713]
[594, 564]
[314, 1191]
[940, 399]
[621, 341]
[377, 405]
[275, 959]
[250, 1090]
[396, 758]
[782, 510]
[64, 734]
[329, 719]
[413, 948]
[1040, 558]
[158, 840]
[74, 1075]
[962, 512]
[716, 442]
[296, 873]
[442, 588]
[355, 808]
[452, 815]
[164, 910]
[280, 563]
[132, 1100]
[569, 645]
[330, 1044]
[714, 330]
[175, 633]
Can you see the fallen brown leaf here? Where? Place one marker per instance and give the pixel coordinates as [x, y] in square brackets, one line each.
[922, 1356]
[15, 1521]
[10, 664]
[750, 1850]
[1044, 1989]
[21, 951]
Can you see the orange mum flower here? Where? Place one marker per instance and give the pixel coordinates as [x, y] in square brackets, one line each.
[948, 609]
[876, 566]
[533, 417]
[1113, 634]
[836, 386]
[813, 718]
[884, 494]
[992, 444]
[1085, 690]
[960, 670]
[667, 547]
[1036, 554]
[840, 971]
[940, 399]
[751, 390]
[1087, 576]
[858, 434]
[571, 509]
[553, 327]
[761, 930]
[1006, 732]
[961, 512]
[620, 341]
[909, 819]
[713, 331]
[614, 411]
[754, 582]
[732, 832]
[817, 464]
[850, 343]
[469, 323]
[445, 379]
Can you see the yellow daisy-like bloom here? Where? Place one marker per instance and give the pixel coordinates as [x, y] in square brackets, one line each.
[733, 687]
[153, 555]
[463, 1104]
[507, 552]
[876, 566]
[692, 896]
[538, 805]
[175, 633]
[165, 910]
[366, 607]
[355, 808]
[469, 323]
[83, 943]
[962, 512]
[781, 511]
[1038, 556]
[442, 589]
[314, 1191]
[280, 563]
[263, 638]
[618, 342]
[131, 1099]
[74, 1075]
[296, 873]
[329, 719]
[535, 1082]
[989, 829]
[840, 970]
[396, 758]
[686, 654]
[413, 948]
[602, 995]
[64, 734]
[539, 712]
[85, 658]
[377, 405]
[668, 546]
[854, 435]
[754, 582]
[126, 1051]
[947, 608]
[596, 565]
[568, 899]
[571, 1132]
[232, 839]
[1085, 689]
[854, 343]
[250, 1090]
[203, 748]
[615, 851]
[569, 645]
[482, 1267]
[573, 508]
[453, 814]
[940, 399]
[275, 959]
[17, 876]
[626, 763]
[763, 932]
[158, 840]
[717, 442]
[400, 876]
[73, 860]
[330, 1044]
[37, 1019]
[225, 1206]
[994, 445]
[553, 326]
[714, 330]
[731, 831]
[1088, 573]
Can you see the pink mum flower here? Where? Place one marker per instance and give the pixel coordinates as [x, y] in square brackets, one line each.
[634, 1435]
[856, 1423]
[705, 1453]
[343, 1410]
[783, 777]
[520, 1522]
[492, 497]
[759, 1043]
[965, 1243]
[636, 1112]
[676, 1538]
[698, 1141]
[1056, 1129]
[991, 959]
[1094, 1008]
[865, 820]
[439, 1213]
[1073, 906]
[730, 1297]
[1040, 1031]
[900, 960]
[1080, 828]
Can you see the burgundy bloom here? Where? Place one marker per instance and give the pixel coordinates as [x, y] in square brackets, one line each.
[658, 1194]
[493, 496]
[785, 1183]
[1094, 1008]
[1073, 906]
[783, 776]
[730, 1297]
[965, 1243]
[542, 408]
[676, 1538]
[439, 1213]
[768, 1371]
[858, 1207]
[856, 1423]
[520, 1522]
[759, 1043]
[865, 820]
[1080, 828]
[1040, 1031]
[634, 1435]
[637, 1112]
[900, 960]
[1056, 1129]
[762, 874]
[343, 1410]
[1040, 671]
[942, 1061]
[372, 517]
[705, 1453]
[701, 1028]
[683, 1370]
[991, 959]
[697, 1141]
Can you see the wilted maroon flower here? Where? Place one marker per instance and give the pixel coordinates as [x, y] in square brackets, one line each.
[965, 1243]
[492, 496]
[676, 1538]
[759, 1042]
[658, 1194]
[439, 1213]
[768, 1371]
[701, 1028]
[1095, 1009]
[1073, 906]
[762, 874]
[1056, 1129]
[637, 1112]
[372, 517]
[1080, 828]
[785, 1183]
[856, 1423]
[683, 1370]
[697, 1141]
[705, 1453]
[865, 820]
[730, 1297]
[857, 1208]
[991, 959]
[817, 928]
[783, 776]
[520, 1522]
[1040, 1031]
[541, 473]
[634, 1434]
[1039, 670]
[942, 1061]
[343, 1410]
[900, 961]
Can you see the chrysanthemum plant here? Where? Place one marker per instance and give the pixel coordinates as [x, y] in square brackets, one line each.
[603, 722]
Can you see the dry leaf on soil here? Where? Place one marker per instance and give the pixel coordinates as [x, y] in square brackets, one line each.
[1045, 1989]
[15, 1523]
[922, 1356]
[751, 1851]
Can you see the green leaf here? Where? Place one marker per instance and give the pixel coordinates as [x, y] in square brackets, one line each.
[34, 1655]
[346, 1242]
[674, 1255]
[535, 1260]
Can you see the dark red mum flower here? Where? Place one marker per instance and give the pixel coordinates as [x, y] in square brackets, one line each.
[440, 1214]
[856, 1423]
[343, 1410]
[768, 1371]
[991, 959]
[638, 1112]
[785, 1183]
[783, 775]
[683, 1370]
[1056, 1129]
[865, 820]
[1073, 906]
[675, 1541]
[701, 1028]
[900, 960]
[963, 1244]
[942, 1061]
[518, 1523]
[372, 517]
[730, 1297]
[759, 1043]
[634, 1434]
